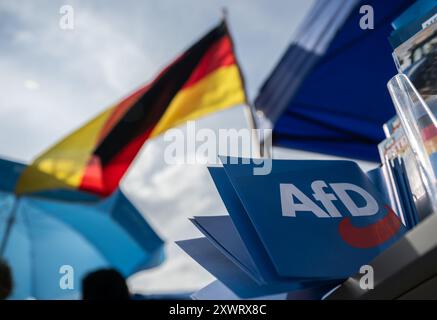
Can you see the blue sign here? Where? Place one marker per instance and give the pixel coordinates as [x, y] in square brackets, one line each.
[307, 219]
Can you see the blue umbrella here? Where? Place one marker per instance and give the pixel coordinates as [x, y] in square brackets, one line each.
[52, 236]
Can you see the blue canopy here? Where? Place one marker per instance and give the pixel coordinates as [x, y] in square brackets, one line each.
[328, 93]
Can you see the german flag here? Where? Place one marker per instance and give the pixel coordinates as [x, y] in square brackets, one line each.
[204, 79]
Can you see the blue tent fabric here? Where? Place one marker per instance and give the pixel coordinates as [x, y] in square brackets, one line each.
[328, 92]
[64, 229]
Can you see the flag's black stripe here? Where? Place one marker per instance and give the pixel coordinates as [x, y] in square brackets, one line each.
[147, 111]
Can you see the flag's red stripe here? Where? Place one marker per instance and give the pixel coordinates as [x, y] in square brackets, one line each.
[92, 179]
[220, 54]
[114, 170]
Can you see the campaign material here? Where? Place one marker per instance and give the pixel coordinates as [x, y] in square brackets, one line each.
[306, 224]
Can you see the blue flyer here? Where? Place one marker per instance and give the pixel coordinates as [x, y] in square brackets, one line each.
[315, 219]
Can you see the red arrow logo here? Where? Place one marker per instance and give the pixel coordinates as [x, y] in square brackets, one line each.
[372, 235]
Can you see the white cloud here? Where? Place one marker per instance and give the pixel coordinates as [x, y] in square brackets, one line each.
[31, 84]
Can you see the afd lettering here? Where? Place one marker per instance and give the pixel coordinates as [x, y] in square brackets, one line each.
[326, 196]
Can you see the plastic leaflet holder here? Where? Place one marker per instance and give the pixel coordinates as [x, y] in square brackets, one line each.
[419, 123]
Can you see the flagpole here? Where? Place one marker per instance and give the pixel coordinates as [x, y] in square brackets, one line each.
[253, 117]
[9, 224]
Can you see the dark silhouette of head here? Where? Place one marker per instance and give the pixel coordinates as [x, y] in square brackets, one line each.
[104, 284]
[6, 283]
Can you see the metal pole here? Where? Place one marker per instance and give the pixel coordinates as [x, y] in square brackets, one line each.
[9, 224]
[252, 111]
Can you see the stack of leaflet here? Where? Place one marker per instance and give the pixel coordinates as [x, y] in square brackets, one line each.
[409, 152]
[301, 227]
[416, 58]
[399, 176]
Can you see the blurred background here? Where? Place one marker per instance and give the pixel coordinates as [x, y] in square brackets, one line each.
[53, 80]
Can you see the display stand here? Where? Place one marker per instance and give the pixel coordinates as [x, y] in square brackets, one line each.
[407, 270]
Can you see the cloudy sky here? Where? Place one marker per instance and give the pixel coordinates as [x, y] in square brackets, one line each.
[52, 80]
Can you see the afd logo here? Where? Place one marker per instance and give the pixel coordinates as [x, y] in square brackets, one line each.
[359, 237]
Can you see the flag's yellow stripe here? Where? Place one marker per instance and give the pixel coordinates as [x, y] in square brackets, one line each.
[63, 165]
[219, 90]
